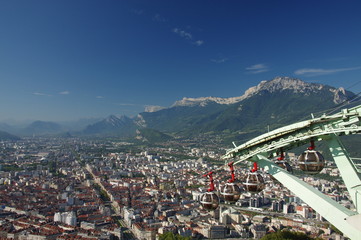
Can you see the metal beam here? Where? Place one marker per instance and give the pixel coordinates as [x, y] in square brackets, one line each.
[297, 134]
[333, 212]
[348, 170]
[346, 122]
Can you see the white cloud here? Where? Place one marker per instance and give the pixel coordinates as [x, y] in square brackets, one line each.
[64, 93]
[41, 94]
[198, 42]
[99, 97]
[320, 71]
[188, 36]
[257, 68]
[182, 33]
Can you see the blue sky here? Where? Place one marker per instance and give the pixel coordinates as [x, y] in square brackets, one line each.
[65, 60]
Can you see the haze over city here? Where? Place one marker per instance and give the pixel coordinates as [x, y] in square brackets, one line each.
[64, 60]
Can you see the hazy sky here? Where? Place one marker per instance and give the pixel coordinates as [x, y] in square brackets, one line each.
[68, 59]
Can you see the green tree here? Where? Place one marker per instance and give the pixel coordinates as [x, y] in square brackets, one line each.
[172, 236]
[286, 235]
[12, 167]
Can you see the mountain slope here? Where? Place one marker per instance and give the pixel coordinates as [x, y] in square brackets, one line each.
[275, 103]
[151, 135]
[42, 127]
[7, 136]
[178, 118]
[112, 126]
[270, 104]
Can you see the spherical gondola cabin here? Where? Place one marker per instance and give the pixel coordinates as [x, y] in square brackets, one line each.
[253, 182]
[231, 192]
[311, 161]
[209, 201]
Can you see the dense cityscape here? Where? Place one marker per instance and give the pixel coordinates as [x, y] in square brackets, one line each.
[180, 120]
[72, 188]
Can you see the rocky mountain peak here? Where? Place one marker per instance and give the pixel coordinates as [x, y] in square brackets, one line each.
[203, 101]
[116, 121]
[277, 84]
[340, 95]
[111, 125]
[281, 84]
[112, 118]
[280, 99]
[296, 86]
[274, 85]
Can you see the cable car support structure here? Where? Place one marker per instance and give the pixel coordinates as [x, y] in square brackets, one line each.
[326, 128]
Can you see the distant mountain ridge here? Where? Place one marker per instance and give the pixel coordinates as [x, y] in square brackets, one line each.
[297, 86]
[273, 103]
[112, 126]
[5, 136]
[43, 128]
[277, 84]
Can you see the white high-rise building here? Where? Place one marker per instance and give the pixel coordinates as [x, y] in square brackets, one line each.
[57, 217]
[66, 217]
[71, 219]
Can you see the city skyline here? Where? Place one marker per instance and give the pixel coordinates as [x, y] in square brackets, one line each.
[69, 60]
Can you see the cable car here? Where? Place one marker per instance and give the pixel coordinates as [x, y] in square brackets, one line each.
[311, 161]
[253, 181]
[231, 191]
[209, 200]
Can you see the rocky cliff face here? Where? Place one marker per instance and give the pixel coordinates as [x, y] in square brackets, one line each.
[282, 84]
[296, 86]
[340, 95]
[277, 84]
[203, 101]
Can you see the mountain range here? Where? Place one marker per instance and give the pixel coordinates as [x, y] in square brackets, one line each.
[273, 103]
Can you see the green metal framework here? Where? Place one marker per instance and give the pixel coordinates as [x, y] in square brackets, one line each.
[324, 128]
